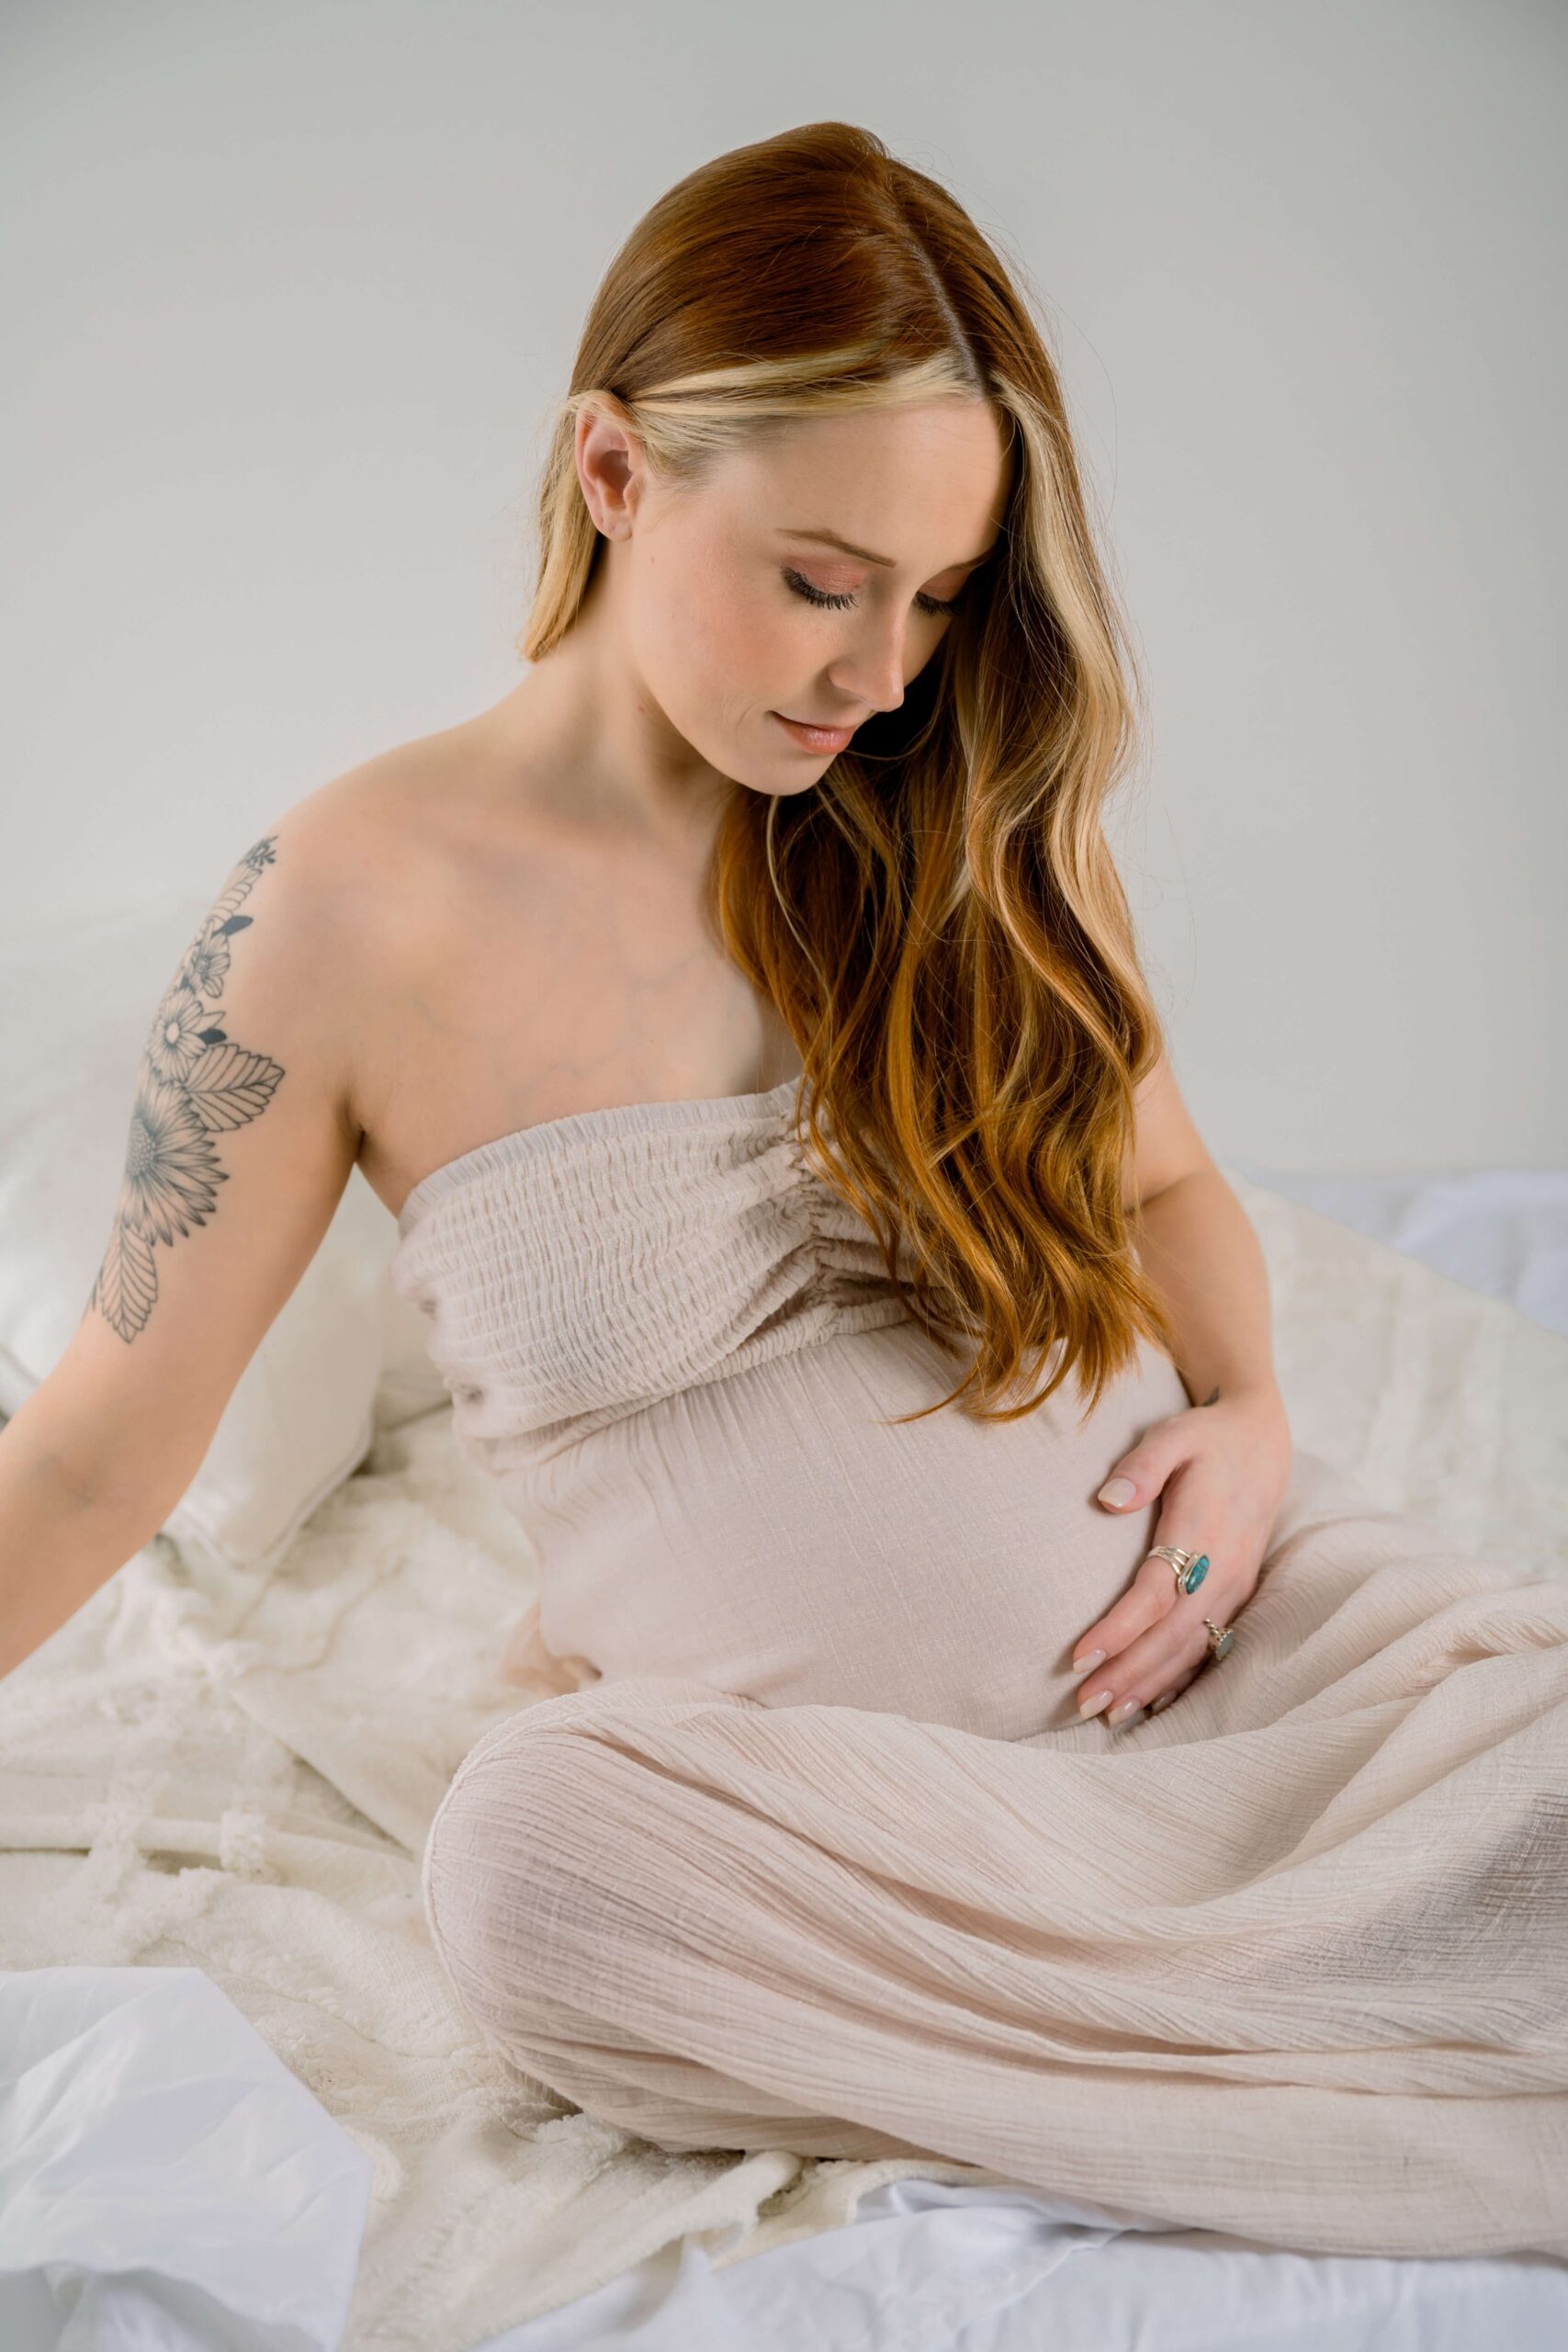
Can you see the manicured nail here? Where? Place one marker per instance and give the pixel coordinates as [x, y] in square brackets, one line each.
[1092, 1706]
[1163, 1700]
[1083, 1664]
[1120, 1714]
[1118, 1490]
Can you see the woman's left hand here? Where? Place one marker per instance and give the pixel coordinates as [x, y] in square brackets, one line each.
[1223, 1468]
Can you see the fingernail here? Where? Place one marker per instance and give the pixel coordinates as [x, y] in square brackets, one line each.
[1163, 1700]
[1120, 1714]
[1083, 1664]
[1118, 1490]
[1092, 1706]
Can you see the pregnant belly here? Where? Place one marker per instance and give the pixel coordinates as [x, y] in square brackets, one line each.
[767, 1534]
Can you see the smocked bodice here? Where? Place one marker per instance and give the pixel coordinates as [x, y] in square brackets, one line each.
[676, 1347]
[578, 1270]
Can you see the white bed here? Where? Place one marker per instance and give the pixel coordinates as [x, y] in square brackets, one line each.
[225, 2120]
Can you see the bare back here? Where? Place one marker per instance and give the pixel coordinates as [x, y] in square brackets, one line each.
[529, 965]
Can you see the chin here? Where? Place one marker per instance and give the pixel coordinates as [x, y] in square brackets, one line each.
[773, 788]
[744, 766]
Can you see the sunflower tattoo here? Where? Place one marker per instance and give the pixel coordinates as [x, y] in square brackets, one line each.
[193, 1083]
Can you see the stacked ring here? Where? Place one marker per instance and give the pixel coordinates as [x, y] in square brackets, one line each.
[1190, 1569]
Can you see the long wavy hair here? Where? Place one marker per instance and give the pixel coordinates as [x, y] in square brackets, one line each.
[939, 921]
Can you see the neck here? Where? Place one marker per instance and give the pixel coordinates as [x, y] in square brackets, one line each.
[592, 743]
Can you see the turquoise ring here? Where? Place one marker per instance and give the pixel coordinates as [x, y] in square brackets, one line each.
[1190, 1568]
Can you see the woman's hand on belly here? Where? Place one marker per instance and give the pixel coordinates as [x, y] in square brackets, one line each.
[1221, 1468]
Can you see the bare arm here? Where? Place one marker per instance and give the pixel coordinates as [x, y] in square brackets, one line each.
[1197, 1242]
[1200, 1247]
[239, 1148]
[59, 1542]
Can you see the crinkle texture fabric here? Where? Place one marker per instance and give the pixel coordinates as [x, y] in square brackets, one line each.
[801, 1843]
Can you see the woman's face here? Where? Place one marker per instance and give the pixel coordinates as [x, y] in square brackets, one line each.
[740, 609]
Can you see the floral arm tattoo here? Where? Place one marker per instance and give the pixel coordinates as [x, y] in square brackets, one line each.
[193, 1083]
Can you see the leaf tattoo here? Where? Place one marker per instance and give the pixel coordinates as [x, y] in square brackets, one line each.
[193, 1083]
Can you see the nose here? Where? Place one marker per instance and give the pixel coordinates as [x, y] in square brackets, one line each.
[871, 670]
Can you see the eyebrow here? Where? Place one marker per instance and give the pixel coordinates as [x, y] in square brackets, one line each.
[833, 539]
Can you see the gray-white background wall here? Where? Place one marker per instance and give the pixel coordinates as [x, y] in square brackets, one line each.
[287, 291]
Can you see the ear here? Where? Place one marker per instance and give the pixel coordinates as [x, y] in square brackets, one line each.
[611, 465]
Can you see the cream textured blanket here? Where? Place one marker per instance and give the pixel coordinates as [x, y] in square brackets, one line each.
[202, 1772]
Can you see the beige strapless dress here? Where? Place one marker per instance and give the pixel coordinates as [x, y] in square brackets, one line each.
[799, 1840]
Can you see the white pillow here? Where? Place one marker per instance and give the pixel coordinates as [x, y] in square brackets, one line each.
[409, 1383]
[77, 995]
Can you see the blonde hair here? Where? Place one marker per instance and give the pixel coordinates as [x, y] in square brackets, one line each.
[939, 921]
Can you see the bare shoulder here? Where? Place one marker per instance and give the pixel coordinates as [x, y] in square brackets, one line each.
[379, 855]
[497, 962]
[370, 841]
[428, 880]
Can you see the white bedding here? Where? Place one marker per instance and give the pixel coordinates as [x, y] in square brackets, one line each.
[237, 1781]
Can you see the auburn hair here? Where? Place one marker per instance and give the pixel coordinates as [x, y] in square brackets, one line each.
[939, 921]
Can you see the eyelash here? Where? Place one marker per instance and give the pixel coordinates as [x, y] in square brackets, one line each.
[820, 596]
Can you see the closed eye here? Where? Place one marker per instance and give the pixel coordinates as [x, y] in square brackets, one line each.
[839, 602]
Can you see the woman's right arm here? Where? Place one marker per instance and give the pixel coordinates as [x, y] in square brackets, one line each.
[242, 1139]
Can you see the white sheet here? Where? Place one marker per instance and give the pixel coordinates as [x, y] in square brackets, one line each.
[166, 2183]
[983, 2269]
[927, 2267]
[1501, 1230]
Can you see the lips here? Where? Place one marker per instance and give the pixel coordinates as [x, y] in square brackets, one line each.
[813, 735]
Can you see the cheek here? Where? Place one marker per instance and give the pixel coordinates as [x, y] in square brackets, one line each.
[745, 642]
[719, 636]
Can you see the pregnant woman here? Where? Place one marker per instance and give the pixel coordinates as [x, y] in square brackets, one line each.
[955, 1720]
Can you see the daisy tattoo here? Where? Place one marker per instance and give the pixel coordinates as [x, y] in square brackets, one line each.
[193, 1083]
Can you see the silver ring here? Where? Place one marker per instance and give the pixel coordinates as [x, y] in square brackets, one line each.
[1190, 1568]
